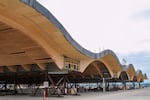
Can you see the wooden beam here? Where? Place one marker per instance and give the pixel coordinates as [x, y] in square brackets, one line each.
[1, 69]
[12, 68]
[27, 67]
[97, 68]
[92, 76]
[42, 66]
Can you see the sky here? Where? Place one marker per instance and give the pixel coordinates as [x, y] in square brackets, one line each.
[119, 25]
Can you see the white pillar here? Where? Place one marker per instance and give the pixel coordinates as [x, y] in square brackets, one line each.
[104, 88]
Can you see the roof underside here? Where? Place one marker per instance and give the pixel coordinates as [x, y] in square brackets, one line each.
[30, 38]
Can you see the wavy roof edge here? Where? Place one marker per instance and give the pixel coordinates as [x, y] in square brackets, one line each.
[41, 9]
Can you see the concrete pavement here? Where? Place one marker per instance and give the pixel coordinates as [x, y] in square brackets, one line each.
[138, 94]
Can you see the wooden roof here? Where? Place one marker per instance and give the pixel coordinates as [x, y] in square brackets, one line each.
[31, 38]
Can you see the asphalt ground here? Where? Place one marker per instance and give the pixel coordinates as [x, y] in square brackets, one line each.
[138, 94]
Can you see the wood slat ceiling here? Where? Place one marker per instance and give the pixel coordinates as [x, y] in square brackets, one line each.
[18, 49]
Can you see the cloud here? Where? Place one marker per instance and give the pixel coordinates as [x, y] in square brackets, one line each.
[145, 14]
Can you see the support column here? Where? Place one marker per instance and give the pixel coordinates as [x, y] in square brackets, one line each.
[124, 84]
[20, 89]
[46, 80]
[97, 85]
[5, 87]
[75, 88]
[104, 86]
[65, 86]
[15, 85]
[133, 85]
[139, 85]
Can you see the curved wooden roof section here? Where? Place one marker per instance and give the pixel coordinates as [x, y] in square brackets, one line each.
[140, 77]
[131, 72]
[145, 76]
[31, 35]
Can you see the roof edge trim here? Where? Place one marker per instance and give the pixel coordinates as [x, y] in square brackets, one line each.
[41, 9]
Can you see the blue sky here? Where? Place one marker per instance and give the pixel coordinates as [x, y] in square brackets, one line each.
[120, 25]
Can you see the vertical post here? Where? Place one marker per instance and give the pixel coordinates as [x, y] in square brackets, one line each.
[5, 86]
[108, 85]
[44, 95]
[46, 85]
[65, 90]
[139, 85]
[15, 85]
[104, 89]
[133, 85]
[124, 85]
[97, 85]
